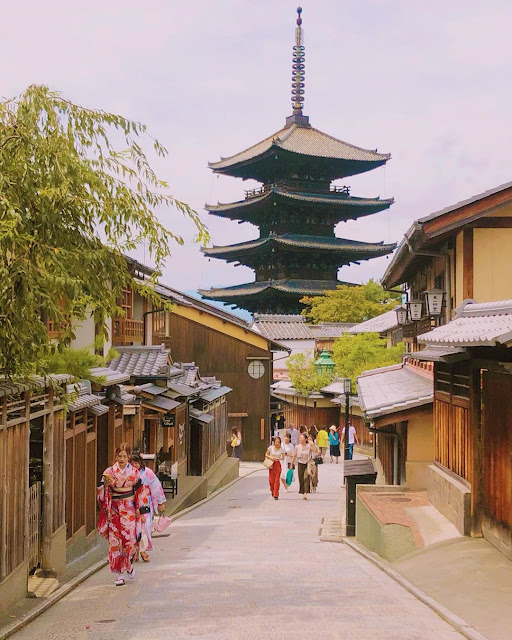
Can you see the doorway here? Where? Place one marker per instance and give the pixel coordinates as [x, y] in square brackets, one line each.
[195, 457]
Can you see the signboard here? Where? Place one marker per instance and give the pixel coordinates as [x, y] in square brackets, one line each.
[169, 420]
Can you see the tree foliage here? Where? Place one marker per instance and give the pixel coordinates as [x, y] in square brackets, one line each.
[350, 304]
[354, 354]
[76, 192]
[304, 376]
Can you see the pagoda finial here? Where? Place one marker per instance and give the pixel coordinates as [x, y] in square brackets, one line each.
[298, 76]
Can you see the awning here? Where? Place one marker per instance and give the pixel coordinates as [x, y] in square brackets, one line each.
[435, 353]
[207, 418]
[163, 405]
[182, 389]
[213, 394]
[152, 389]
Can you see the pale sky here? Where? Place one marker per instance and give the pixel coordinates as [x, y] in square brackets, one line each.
[426, 81]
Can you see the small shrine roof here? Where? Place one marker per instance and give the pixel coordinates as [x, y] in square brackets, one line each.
[303, 140]
[358, 249]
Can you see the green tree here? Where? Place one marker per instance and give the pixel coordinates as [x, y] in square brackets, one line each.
[76, 192]
[354, 354]
[304, 376]
[350, 304]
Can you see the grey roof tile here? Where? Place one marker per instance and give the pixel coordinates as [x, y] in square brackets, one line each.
[109, 375]
[379, 324]
[143, 362]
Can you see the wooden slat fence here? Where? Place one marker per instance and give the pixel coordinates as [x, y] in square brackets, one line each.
[453, 439]
[34, 526]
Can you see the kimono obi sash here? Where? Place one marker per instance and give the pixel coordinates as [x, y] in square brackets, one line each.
[120, 493]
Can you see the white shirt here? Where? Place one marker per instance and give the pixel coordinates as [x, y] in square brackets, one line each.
[351, 434]
[276, 454]
[294, 436]
[289, 450]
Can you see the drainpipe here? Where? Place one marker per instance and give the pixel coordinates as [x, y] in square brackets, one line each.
[448, 279]
[395, 437]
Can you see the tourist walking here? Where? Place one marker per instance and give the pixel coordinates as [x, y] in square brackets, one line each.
[121, 496]
[302, 455]
[157, 499]
[312, 466]
[352, 438]
[276, 453]
[313, 432]
[334, 442]
[294, 434]
[322, 441]
[289, 450]
[236, 444]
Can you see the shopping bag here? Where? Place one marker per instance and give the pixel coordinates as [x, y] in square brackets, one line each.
[289, 477]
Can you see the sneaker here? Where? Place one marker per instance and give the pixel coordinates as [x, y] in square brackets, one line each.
[119, 582]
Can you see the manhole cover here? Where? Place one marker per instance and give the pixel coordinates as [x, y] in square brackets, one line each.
[401, 499]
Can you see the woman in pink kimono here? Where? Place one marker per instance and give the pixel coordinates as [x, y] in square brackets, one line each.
[157, 498]
[123, 499]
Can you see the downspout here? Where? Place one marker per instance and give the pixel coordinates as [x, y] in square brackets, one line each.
[448, 279]
[395, 437]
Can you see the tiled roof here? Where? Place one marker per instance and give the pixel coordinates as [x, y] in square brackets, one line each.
[201, 416]
[379, 324]
[109, 375]
[306, 141]
[306, 287]
[213, 394]
[10, 388]
[332, 199]
[145, 362]
[355, 250]
[98, 409]
[392, 389]
[440, 353]
[487, 324]
[160, 403]
[294, 327]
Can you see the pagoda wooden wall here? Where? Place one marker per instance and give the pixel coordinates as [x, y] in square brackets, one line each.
[225, 357]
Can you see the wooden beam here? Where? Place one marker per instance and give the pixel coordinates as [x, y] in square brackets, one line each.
[48, 490]
[467, 264]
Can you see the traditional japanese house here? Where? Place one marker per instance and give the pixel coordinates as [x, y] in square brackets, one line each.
[470, 480]
[462, 251]
[385, 324]
[297, 253]
[396, 402]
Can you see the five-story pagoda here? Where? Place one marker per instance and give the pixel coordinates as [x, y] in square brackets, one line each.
[296, 210]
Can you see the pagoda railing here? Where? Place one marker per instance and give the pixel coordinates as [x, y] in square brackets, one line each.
[295, 186]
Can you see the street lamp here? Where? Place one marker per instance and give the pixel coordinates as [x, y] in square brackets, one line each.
[347, 388]
[324, 363]
[434, 300]
[401, 315]
[415, 308]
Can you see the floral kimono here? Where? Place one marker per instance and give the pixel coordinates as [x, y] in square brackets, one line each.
[156, 497]
[120, 509]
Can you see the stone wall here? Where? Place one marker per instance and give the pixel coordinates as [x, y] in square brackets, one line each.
[451, 496]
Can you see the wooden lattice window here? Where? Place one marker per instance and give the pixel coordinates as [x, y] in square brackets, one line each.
[127, 303]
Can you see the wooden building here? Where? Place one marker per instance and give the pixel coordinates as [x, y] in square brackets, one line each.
[296, 210]
[470, 480]
[463, 250]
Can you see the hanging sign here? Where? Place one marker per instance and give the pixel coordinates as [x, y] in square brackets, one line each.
[169, 420]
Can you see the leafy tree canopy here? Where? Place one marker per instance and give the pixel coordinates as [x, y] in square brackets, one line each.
[354, 354]
[76, 192]
[304, 376]
[350, 304]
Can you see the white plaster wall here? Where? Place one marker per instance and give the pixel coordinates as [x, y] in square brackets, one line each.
[84, 335]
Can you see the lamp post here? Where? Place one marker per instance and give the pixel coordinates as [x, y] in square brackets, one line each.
[347, 388]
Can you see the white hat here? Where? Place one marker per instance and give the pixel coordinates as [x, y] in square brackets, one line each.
[332, 427]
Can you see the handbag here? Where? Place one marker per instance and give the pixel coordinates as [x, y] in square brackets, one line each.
[311, 468]
[268, 463]
[289, 477]
[319, 460]
[143, 542]
[162, 524]
[235, 442]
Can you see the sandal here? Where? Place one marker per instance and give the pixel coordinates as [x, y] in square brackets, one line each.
[144, 556]
[119, 582]
[131, 574]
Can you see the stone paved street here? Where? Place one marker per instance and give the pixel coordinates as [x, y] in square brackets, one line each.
[246, 567]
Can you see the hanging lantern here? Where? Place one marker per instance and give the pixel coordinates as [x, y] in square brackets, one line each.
[401, 315]
[347, 386]
[415, 309]
[324, 364]
[434, 299]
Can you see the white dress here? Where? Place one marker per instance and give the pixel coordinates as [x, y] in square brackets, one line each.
[289, 450]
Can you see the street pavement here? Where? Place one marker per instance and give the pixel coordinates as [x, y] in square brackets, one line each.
[246, 567]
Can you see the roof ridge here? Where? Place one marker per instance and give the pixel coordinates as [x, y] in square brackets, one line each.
[352, 146]
[238, 153]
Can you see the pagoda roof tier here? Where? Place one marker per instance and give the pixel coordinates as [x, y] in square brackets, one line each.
[301, 150]
[250, 295]
[341, 205]
[346, 250]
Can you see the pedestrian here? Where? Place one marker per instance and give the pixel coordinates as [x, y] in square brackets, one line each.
[294, 434]
[322, 441]
[313, 479]
[276, 453]
[236, 443]
[303, 430]
[302, 455]
[334, 442]
[313, 431]
[352, 437]
[289, 450]
[280, 424]
[157, 499]
[121, 496]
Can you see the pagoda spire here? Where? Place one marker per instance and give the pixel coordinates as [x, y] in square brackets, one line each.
[298, 76]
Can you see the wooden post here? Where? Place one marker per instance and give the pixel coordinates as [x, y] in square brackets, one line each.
[3, 490]
[48, 490]
[477, 485]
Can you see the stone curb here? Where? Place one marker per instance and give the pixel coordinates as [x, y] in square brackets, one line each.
[57, 595]
[451, 618]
